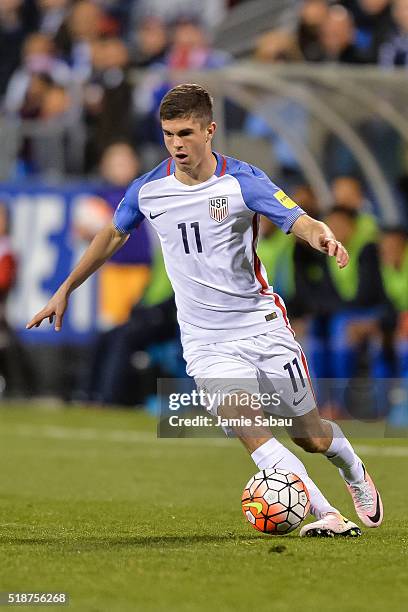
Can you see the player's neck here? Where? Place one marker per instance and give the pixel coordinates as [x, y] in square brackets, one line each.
[201, 173]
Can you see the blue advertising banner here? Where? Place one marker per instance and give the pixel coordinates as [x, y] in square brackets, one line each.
[47, 247]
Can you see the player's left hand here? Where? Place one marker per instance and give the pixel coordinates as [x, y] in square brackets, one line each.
[334, 248]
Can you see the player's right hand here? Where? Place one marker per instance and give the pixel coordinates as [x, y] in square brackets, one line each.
[56, 307]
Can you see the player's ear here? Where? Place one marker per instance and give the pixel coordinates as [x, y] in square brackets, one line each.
[211, 131]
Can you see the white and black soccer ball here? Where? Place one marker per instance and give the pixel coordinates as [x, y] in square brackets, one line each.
[275, 501]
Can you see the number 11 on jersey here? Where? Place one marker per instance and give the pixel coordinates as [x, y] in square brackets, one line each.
[196, 227]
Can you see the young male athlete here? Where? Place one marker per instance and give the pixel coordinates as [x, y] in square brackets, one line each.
[235, 331]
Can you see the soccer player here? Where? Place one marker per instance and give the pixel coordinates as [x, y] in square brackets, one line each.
[235, 331]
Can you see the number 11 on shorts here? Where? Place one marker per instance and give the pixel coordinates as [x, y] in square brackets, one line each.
[289, 367]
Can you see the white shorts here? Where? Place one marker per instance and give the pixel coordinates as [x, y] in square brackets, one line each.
[271, 364]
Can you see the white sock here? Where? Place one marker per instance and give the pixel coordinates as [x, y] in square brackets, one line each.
[272, 454]
[343, 456]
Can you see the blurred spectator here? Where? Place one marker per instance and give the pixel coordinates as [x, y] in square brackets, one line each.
[107, 98]
[81, 28]
[394, 266]
[149, 42]
[121, 280]
[302, 256]
[38, 57]
[8, 268]
[8, 263]
[210, 13]
[118, 167]
[394, 52]
[52, 14]
[48, 151]
[275, 250]
[191, 49]
[359, 284]
[56, 103]
[152, 320]
[16, 377]
[337, 37]
[312, 15]
[306, 198]
[348, 193]
[394, 270]
[279, 252]
[37, 88]
[373, 23]
[124, 278]
[349, 307]
[17, 19]
[277, 45]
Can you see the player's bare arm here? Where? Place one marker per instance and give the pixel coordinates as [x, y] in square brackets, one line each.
[102, 247]
[320, 237]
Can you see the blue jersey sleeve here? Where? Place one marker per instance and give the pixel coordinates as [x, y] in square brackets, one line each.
[264, 197]
[127, 215]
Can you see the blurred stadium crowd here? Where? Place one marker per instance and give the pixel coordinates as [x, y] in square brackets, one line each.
[67, 59]
[76, 62]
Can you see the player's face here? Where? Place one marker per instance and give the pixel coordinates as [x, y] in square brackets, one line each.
[188, 141]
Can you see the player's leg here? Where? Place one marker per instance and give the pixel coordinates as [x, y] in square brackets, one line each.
[219, 368]
[282, 366]
[267, 452]
[317, 435]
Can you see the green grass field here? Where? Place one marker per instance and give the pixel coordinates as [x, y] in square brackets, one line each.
[94, 505]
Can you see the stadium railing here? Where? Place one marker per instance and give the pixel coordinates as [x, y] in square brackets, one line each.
[245, 22]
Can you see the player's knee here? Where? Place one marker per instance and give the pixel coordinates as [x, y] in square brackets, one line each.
[312, 445]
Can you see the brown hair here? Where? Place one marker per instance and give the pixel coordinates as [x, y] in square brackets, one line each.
[187, 100]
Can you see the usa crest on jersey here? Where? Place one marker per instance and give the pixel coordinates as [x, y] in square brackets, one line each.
[219, 208]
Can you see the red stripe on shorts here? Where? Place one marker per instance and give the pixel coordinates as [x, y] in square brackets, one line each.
[304, 361]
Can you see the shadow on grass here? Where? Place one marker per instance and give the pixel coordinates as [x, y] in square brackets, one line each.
[148, 541]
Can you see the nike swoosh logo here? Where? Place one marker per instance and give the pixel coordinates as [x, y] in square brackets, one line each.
[377, 515]
[158, 215]
[256, 505]
[296, 403]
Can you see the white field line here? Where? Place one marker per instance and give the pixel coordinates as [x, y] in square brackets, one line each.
[100, 435]
[143, 437]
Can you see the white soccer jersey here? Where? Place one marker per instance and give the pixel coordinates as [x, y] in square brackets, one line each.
[208, 233]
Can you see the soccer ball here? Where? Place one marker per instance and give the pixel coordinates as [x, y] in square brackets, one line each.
[275, 501]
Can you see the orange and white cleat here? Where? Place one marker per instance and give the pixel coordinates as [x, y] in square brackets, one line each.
[367, 501]
[332, 525]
